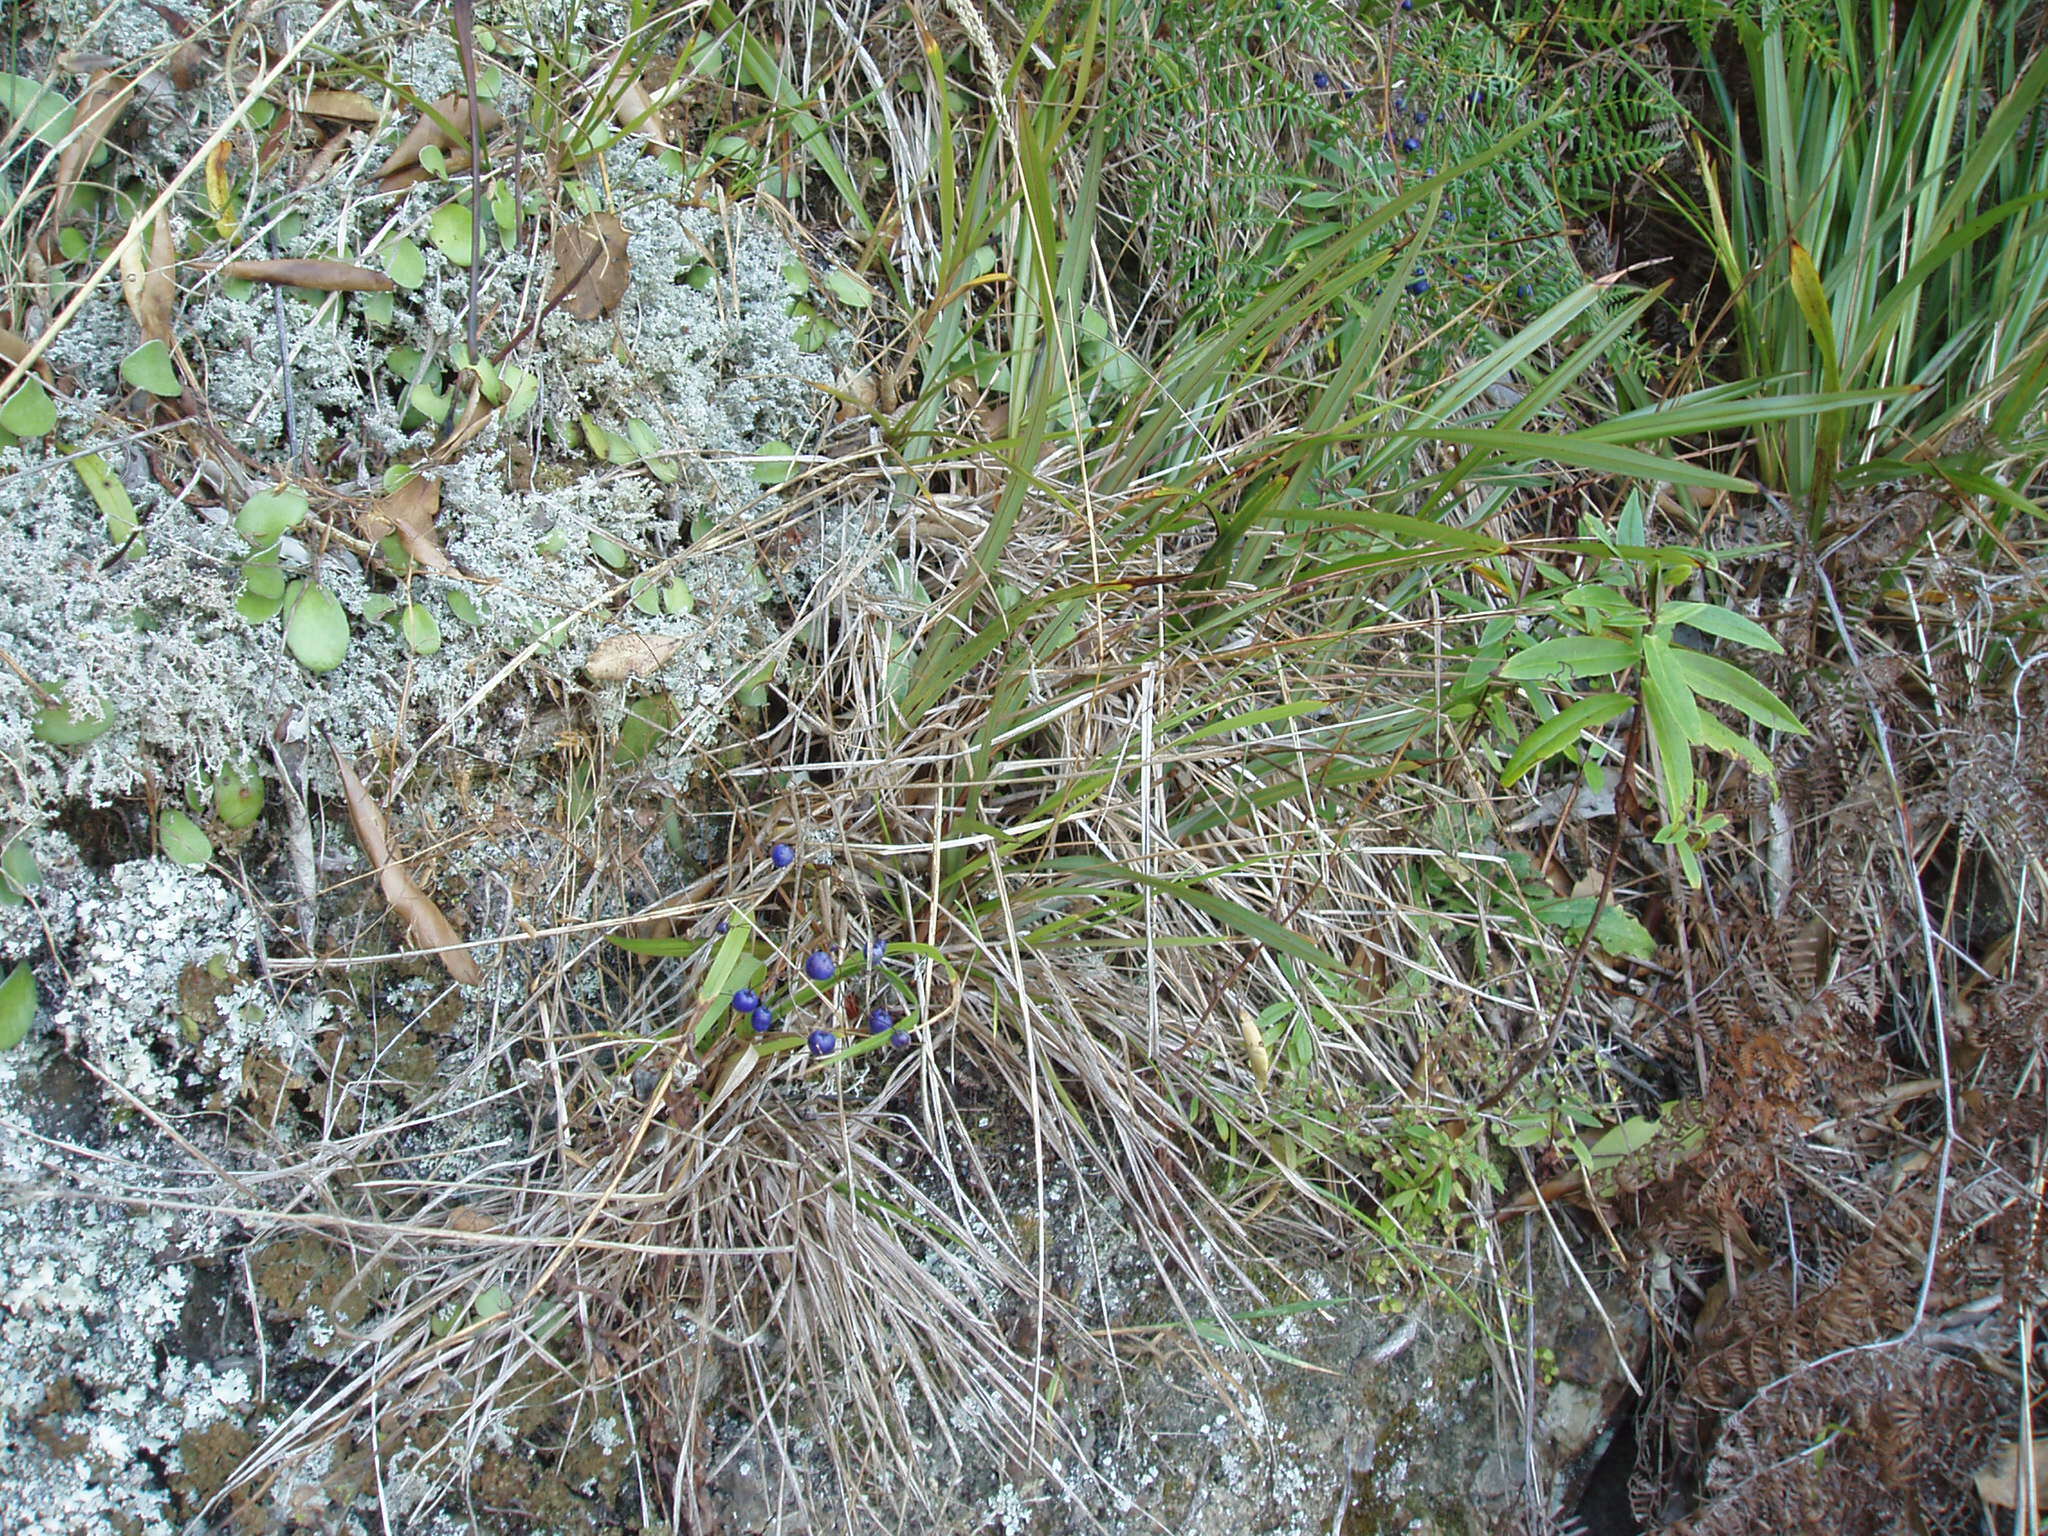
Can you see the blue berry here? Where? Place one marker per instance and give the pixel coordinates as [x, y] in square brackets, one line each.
[1407, 5]
[903, 1038]
[1322, 81]
[1411, 144]
[1419, 287]
[1400, 102]
[782, 855]
[823, 1042]
[1421, 116]
[881, 1021]
[746, 1000]
[818, 966]
[764, 1020]
[1523, 290]
[721, 926]
[878, 951]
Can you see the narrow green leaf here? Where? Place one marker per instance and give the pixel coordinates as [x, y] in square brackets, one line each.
[1674, 727]
[1722, 623]
[113, 500]
[1561, 730]
[1570, 656]
[1715, 679]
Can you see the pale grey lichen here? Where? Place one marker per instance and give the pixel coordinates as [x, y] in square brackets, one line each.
[136, 939]
[90, 1300]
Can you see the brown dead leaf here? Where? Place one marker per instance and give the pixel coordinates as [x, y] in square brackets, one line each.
[409, 512]
[465, 1218]
[150, 283]
[618, 657]
[444, 125]
[425, 922]
[13, 347]
[327, 276]
[342, 106]
[98, 109]
[1999, 1480]
[591, 266]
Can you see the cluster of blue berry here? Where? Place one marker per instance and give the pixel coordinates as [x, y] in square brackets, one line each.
[820, 967]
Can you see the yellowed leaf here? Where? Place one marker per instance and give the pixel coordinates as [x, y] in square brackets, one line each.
[444, 124]
[425, 922]
[327, 276]
[409, 512]
[618, 657]
[742, 1068]
[219, 191]
[591, 266]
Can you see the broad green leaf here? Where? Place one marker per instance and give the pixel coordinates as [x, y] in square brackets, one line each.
[1571, 656]
[422, 631]
[19, 873]
[1614, 930]
[316, 631]
[1721, 623]
[238, 796]
[406, 264]
[182, 840]
[452, 231]
[63, 724]
[777, 462]
[29, 411]
[1629, 1137]
[150, 367]
[17, 1006]
[269, 515]
[39, 109]
[1561, 731]
[849, 289]
[1715, 679]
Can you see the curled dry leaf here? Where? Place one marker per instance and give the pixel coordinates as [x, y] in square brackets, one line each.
[427, 924]
[327, 276]
[444, 125]
[409, 512]
[95, 114]
[616, 658]
[342, 106]
[591, 266]
[149, 284]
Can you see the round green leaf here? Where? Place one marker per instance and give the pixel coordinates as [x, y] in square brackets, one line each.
[453, 231]
[421, 629]
[317, 631]
[463, 606]
[150, 367]
[238, 797]
[776, 463]
[405, 264]
[849, 289]
[63, 724]
[17, 1006]
[183, 842]
[268, 515]
[28, 411]
[40, 109]
[19, 873]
